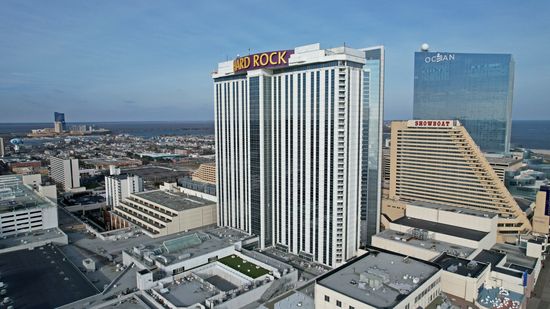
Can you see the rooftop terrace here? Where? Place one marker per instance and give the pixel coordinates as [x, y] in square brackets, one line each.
[393, 276]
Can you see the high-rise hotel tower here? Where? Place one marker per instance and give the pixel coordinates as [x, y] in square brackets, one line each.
[476, 89]
[437, 161]
[289, 142]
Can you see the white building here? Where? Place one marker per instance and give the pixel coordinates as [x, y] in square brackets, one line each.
[65, 172]
[289, 149]
[379, 279]
[198, 270]
[27, 207]
[119, 187]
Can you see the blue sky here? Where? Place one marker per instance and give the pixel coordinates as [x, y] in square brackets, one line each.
[151, 60]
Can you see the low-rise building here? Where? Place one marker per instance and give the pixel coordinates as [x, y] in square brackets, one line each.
[379, 279]
[502, 164]
[27, 209]
[199, 270]
[163, 212]
[430, 229]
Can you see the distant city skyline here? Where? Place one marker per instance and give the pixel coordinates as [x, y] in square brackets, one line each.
[152, 60]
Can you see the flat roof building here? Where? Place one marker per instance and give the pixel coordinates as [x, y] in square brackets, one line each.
[502, 164]
[42, 278]
[429, 230]
[379, 279]
[25, 205]
[164, 212]
[204, 271]
[437, 161]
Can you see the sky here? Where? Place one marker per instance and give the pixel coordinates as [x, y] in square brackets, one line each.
[151, 60]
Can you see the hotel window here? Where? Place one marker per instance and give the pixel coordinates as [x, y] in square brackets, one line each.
[327, 299]
[351, 307]
[339, 303]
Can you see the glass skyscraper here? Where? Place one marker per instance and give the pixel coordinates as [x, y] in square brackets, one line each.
[373, 118]
[476, 89]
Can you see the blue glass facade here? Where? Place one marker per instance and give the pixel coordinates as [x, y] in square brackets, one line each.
[476, 89]
[60, 117]
[373, 98]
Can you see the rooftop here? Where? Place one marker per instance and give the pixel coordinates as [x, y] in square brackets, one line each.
[500, 298]
[428, 244]
[43, 278]
[289, 300]
[181, 248]
[441, 228]
[48, 235]
[174, 200]
[501, 160]
[379, 278]
[15, 195]
[460, 210]
[490, 257]
[516, 258]
[188, 293]
[460, 266]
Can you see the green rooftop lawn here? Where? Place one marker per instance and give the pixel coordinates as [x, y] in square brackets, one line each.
[250, 269]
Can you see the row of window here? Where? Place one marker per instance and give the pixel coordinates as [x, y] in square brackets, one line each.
[338, 303]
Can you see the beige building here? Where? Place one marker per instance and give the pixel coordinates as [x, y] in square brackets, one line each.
[437, 161]
[502, 164]
[541, 218]
[206, 173]
[379, 279]
[161, 212]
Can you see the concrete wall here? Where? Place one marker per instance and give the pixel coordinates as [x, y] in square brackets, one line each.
[462, 286]
[511, 283]
[485, 224]
[202, 195]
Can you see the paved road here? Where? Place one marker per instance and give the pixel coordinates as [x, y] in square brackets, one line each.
[541, 300]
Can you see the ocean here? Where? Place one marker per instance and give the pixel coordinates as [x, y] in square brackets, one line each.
[145, 129]
[534, 134]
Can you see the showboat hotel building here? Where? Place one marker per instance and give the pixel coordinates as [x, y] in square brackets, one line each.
[298, 148]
